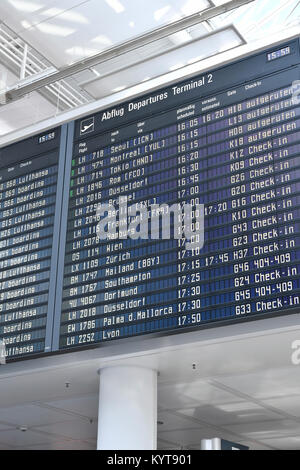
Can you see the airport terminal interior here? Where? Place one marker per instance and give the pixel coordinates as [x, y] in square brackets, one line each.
[149, 229]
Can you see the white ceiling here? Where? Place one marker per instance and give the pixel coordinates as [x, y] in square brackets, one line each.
[262, 18]
[112, 80]
[31, 109]
[244, 389]
[67, 31]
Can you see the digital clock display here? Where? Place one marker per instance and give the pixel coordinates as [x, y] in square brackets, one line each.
[279, 53]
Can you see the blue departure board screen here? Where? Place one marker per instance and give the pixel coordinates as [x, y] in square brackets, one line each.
[226, 143]
[28, 187]
[237, 153]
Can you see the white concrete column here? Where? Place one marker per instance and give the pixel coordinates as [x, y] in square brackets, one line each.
[211, 444]
[127, 409]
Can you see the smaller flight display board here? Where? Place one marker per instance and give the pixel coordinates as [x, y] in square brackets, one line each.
[28, 192]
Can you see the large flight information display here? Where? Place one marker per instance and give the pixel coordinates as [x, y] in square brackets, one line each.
[227, 141]
[28, 187]
[236, 152]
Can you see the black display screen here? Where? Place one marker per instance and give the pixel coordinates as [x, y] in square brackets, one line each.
[236, 152]
[28, 187]
[226, 142]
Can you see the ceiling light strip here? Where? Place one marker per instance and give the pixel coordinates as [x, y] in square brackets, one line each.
[127, 46]
[147, 58]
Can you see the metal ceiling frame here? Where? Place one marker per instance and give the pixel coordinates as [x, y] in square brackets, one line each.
[167, 51]
[22, 60]
[20, 90]
[145, 87]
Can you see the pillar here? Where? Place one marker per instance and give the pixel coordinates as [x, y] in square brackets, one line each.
[127, 409]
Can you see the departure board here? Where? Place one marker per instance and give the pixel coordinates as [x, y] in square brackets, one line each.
[228, 140]
[225, 143]
[28, 188]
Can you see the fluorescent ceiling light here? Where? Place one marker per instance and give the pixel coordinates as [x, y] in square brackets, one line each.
[180, 38]
[258, 415]
[236, 407]
[56, 30]
[96, 72]
[116, 5]
[229, 44]
[158, 14]
[26, 24]
[23, 5]
[220, 2]
[66, 15]
[103, 40]
[119, 88]
[132, 24]
[82, 52]
[192, 6]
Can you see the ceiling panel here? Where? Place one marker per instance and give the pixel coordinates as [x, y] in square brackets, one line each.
[184, 437]
[239, 413]
[3, 427]
[164, 445]
[266, 429]
[22, 13]
[24, 112]
[83, 405]
[193, 402]
[29, 110]
[6, 447]
[264, 17]
[257, 446]
[171, 422]
[193, 393]
[32, 415]
[267, 384]
[48, 385]
[67, 31]
[285, 443]
[17, 438]
[79, 429]
[289, 404]
[167, 62]
[64, 445]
